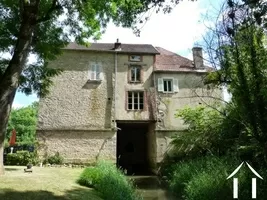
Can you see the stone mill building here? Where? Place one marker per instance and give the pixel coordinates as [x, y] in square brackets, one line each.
[117, 102]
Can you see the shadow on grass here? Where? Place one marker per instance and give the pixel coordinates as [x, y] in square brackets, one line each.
[12, 169]
[75, 194]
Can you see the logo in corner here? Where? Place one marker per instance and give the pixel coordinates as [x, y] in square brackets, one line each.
[235, 181]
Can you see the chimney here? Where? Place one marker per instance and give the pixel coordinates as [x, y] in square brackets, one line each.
[117, 45]
[198, 57]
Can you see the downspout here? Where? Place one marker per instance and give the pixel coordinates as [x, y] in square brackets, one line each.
[115, 86]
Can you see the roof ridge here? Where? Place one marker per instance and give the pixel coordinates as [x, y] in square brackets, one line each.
[111, 43]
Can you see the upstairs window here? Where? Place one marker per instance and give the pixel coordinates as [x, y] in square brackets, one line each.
[168, 85]
[135, 100]
[95, 72]
[135, 74]
[135, 58]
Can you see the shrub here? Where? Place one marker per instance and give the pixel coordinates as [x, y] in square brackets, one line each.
[205, 178]
[109, 181]
[22, 158]
[208, 185]
[55, 159]
[90, 177]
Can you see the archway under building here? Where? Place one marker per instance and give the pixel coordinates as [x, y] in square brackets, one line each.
[136, 148]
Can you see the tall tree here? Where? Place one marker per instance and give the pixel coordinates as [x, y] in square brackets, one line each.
[42, 28]
[23, 120]
[242, 54]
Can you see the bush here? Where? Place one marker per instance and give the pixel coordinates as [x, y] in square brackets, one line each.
[209, 185]
[205, 178]
[109, 181]
[22, 158]
[55, 159]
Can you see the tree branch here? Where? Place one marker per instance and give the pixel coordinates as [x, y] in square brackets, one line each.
[55, 6]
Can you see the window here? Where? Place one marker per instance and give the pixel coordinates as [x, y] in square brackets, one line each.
[95, 72]
[168, 85]
[135, 74]
[135, 100]
[135, 58]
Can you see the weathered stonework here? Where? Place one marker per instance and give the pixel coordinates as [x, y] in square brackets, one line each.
[78, 146]
[79, 117]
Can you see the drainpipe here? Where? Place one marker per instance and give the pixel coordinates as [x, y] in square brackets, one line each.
[115, 86]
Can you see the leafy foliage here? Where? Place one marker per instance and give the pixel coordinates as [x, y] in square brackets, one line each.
[55, 159]
[57, 22]
[109, 181]
[22, 158]
[242, 55]
[23, 120]
[205, 178]
[206, 132]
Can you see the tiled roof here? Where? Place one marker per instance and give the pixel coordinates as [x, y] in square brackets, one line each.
[109, 47]
[169, 61]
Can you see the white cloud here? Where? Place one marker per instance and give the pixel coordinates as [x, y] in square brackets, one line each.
[177, 31]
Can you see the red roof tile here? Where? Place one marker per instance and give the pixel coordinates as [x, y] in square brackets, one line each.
[169, 61]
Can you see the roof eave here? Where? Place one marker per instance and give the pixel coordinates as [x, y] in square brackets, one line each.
[111, 51]
[172, 71]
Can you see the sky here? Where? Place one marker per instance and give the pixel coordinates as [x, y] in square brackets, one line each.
[178, 31]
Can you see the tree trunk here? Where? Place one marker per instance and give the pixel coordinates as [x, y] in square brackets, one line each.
[10, 79]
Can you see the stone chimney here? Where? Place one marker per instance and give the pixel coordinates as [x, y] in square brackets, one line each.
[117, 45]
[198, 57]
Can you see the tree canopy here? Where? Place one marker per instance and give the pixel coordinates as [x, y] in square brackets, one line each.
[43, 27]
[23, 120]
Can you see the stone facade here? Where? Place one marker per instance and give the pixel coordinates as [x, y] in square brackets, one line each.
[80, 117]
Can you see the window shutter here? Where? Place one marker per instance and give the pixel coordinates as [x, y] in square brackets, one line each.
[126, 100]
[99, 72]
[145, 101]
[89, 73]
[129, 74]
[175, 85]
[160, 84]
[92, 71]
[142, 74]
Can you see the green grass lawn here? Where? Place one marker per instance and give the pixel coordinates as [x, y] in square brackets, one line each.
[44, 184]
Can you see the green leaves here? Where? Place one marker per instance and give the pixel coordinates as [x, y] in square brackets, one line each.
[203, 133]
[23, 120]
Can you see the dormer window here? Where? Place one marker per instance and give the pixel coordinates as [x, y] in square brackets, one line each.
[135, 58]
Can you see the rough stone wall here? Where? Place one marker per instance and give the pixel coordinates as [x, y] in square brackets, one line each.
[163, 139]
[75, 119]
[78, 146]
[192, 92]
[123, 86]
[73, 102]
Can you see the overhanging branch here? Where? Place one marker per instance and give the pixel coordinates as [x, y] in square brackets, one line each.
[55, 6]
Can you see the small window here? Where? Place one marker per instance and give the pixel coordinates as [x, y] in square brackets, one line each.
[135, 58]
[135, 100]
[168, 85]
[95, 72]
[135, 74]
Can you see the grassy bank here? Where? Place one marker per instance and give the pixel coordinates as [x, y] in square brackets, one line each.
[44, 184]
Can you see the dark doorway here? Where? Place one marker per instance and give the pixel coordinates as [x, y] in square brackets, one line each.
[132, 148]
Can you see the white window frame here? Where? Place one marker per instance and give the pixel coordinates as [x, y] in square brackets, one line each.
[138, 100]
[95, 72]
[135, 67]
[165, 80]
[174, 84]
